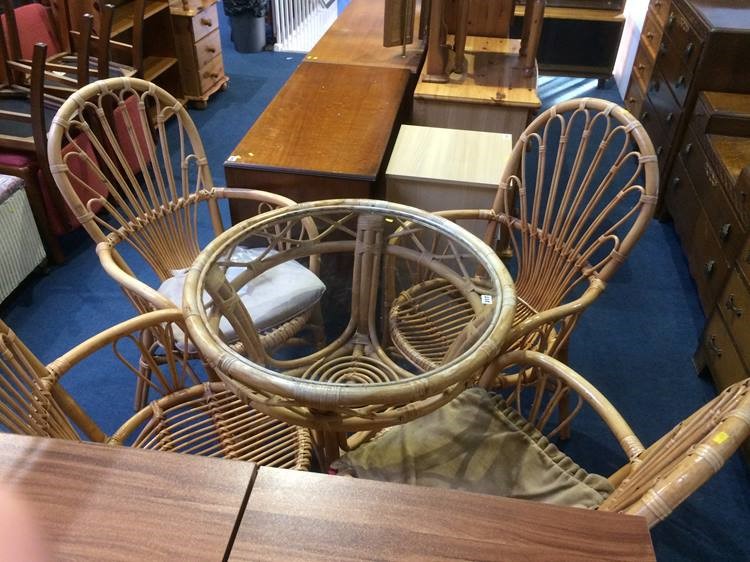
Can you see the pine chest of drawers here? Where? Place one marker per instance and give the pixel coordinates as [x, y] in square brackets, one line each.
[198, 42]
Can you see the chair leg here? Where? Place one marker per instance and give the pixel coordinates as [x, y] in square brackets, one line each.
[141, 388]
[318, 328]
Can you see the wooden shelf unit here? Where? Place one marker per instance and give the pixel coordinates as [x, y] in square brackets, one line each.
[160, 62]
[561, 50]
[123, 18]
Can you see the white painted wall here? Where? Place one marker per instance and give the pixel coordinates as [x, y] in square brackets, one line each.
[635, 15]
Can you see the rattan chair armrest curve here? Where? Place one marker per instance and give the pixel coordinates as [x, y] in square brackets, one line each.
[127, 281]
[622, 431]
[68, 360]
[253, 195]
[679, 463]
[557, 313]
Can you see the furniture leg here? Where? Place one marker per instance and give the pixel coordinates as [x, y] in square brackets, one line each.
[437, 51]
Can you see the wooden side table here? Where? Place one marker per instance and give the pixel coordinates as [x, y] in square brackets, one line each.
[437, 169]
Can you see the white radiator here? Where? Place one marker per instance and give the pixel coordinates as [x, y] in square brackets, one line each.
[21, 248]
[299, 24]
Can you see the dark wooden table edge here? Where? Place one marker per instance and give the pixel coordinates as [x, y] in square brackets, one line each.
[300, 171]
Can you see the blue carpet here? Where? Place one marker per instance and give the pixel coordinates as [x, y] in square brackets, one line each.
[635, 343]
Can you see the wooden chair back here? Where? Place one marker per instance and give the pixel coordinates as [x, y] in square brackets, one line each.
[109, 20]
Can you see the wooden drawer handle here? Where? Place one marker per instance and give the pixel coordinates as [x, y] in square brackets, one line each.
[671, 19]
[669, 117]
[724, 231]
[644, 116]
[689, 50]
[213, 75]
[709, 267]
[650, 34]
[659, 150]
[641, 66]
[211, 50]
[657, 3]
[732, 305]
[688, 148]
[711, 343]
[680, 81]
[710, 175]
[207, 22]
[676, 182]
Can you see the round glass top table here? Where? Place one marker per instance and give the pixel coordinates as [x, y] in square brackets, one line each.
[341, 373]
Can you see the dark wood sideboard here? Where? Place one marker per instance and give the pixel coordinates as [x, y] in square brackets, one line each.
[686, 46]
[690, 87]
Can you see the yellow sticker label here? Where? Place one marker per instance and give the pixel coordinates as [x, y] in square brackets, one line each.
[720, 437]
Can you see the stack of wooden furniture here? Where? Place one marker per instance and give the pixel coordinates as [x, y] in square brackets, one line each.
[475, 76]
[178, 42]
[708, 196]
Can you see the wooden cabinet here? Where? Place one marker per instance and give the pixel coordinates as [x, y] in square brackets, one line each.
[198, 43]
[435, 169]
[686, 46]
[706, 193]
[707, 196]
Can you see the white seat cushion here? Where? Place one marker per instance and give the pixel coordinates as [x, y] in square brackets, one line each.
[272, 298]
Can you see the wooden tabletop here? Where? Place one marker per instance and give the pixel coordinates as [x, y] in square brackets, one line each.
[94, 502]
[302, 516]
[328, 120]
[356, 37]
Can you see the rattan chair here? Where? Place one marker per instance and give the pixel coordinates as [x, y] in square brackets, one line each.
[578, 191]
[652, 483]
[202, 419]
[144, 149]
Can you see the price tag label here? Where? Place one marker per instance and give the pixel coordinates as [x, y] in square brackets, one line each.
[486, 299]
